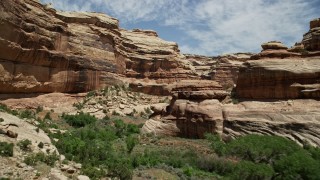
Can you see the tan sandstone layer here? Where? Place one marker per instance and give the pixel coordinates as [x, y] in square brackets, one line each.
[43, 50]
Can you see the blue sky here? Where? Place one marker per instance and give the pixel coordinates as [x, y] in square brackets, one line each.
[209, 27]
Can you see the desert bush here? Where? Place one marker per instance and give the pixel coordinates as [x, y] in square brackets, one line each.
[261, 149]
[299, 165]
[94, 147]
[78, 105]
[90, 94]
[6, 149]
[41, 145]
[28, 114]
[34, 158]
[24, 145]
[266, 157]
[93, 172]
[217, 144]
[250, 170]
[47, 116]
[219, 165]
[115, 113]
[131, 142]
[5, 108]
[79, 120]
[39, 109]
[120, 166]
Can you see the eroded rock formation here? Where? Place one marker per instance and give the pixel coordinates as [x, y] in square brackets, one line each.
[275, 49]
[311, 40]
[279, 79]
[263, 85]
[43, 50]
[77, 52]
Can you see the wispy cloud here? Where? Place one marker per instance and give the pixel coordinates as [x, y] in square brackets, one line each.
[213, 26]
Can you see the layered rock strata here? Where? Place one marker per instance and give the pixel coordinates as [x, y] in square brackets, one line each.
[77, 52]
[291, 119]
[275, 49]
[311, 40]
[280, 79]
[193, 111]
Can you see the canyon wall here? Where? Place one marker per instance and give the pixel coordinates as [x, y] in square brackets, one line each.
[44, 50]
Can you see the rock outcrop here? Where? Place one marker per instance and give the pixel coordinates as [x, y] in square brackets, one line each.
[298, 120]
[263, 85]
[226, 70]
[193, 111]
[77, 52]
[279, 79]
[275, 49]
[291, 119]
[311, 40]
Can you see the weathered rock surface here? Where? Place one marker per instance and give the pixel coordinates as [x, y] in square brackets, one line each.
[14, 167]
[298, 120]
[77, 52]
[279, 79]
[291, 119]
[311, 40]
[193, 110]
[197, 90]
[275, 49]
[273, 45]
[227, 68]
[24, 130]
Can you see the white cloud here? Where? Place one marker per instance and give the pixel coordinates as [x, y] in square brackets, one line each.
[218, 26]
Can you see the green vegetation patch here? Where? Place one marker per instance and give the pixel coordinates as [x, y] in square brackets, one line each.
[268, 157]
[79, 120]
[6, 149]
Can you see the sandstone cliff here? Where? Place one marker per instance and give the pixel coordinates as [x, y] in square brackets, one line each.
[43, 50]
[263, 85]
[279, 79]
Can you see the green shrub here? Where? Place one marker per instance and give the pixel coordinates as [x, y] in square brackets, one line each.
[299, 165]
[216, 143]
[90, 94]
[47, 116]
[132, 129]
[35, 158]
[131, 142]
[39, 109]
[24, 144]
[5, 108]
[221, 166]
[314, 151]
[78, 105]
[250, 170]
[6, 149]
[1, 119]
[79, 120]
[28, 114]
[261, 149]
[114, 113]
[40, 145]
[93, 172]
[120, 167]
